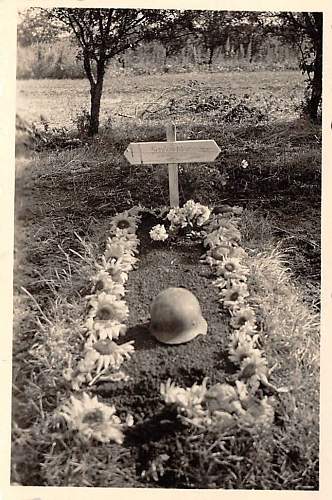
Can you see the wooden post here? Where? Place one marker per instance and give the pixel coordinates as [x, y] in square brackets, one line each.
[172, 170]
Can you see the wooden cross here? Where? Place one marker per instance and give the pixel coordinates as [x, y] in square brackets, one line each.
[172, 153]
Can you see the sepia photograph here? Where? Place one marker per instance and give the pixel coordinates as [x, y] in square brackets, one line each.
[167, 248]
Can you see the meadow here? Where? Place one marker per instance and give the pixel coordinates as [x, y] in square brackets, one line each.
[270, 164]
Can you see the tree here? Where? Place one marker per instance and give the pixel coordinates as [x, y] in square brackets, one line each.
[305, 31]
[35, 28]
[217, 29]
[212, 28]
[176, 32]
[103, 34]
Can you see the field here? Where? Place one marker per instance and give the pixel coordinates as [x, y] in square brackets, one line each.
[270, 164]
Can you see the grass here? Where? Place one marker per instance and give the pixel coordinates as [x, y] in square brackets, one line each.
[64, 199]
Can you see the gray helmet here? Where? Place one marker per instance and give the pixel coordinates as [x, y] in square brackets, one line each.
[176, 316]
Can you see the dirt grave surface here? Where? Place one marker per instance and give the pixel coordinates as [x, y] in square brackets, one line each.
[163, 265]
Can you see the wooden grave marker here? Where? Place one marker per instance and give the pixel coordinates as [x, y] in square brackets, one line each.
[172, 153]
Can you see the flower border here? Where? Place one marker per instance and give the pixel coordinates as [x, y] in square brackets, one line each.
[105, 321]
[220, 406]
[225, 405]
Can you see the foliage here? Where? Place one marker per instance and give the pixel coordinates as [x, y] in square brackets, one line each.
[36, 28]
[58, 60]
[235, 32]
[41, 136]
[305, 31]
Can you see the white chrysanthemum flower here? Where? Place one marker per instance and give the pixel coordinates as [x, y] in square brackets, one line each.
[104, 283]
[241, 337]
[249, 329]
[123, 222]
[126, 263]
[107, 353]
[93, 419]
[177, 217]
[158, 233]
[116, 247]
[189, 208]
[204, 216]
[196, 212]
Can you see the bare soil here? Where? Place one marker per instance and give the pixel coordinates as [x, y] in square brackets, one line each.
[161, 266]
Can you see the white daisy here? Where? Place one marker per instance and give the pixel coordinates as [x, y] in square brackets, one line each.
[243, 316]
[254, 365]
[234, 296]
[123, 222]
[93, 419]
[231, 268]
[104, 283]
[125, 258]
[188, 400]
[115, 269]
[107, 353]
[105, 307]
[129, 242]
[103, 330]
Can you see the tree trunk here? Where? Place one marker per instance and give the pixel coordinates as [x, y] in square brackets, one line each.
[96, 90]
[316, 84]
[316, 89]
[211, 52]
[249, 49]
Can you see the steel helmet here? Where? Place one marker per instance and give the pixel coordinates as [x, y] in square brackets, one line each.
[176, 316]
